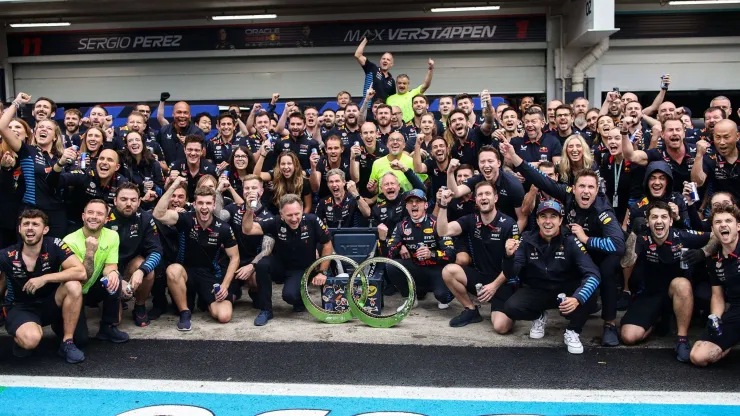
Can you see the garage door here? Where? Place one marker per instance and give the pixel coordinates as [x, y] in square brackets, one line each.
[691, 68]
[501, 72]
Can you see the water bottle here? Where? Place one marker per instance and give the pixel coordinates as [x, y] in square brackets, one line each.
[104, 281]
[715, 329]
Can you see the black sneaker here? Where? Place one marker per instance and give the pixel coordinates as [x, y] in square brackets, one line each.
[468, 316]
[21, 352]
[155, 312]
[299, 307]
[184, 323]
[625, 298]
[610, 337]
[683, 351]
[112, 333]
[69, 351]
[262, 318]
[141, 318]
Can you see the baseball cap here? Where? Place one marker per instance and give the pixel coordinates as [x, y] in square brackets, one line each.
[415, 193]
[549, 205]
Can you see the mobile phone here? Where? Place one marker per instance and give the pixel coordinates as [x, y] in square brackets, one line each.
[615, 89]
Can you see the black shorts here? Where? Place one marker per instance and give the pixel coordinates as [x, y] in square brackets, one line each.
[43, 313]
[202, 281]
[730, 330]
[647, 309]
[503, 293]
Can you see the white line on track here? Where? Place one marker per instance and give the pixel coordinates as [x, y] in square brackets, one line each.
[389, 392]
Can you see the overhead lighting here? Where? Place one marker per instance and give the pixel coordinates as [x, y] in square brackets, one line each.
[701, 2]
[465, 9]
[45, 24]
[245, 17]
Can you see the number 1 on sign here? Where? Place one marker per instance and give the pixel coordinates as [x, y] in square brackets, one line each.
[29, 43]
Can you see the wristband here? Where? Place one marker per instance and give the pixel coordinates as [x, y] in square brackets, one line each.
[17, 104]
[442, 206]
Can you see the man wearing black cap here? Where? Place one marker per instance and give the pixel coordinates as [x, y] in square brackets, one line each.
[429, 252]
[488, 230]
[549, 264]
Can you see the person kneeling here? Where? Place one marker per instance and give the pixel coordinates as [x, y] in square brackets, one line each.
[206, 237]
[665, 288]
[550, 264]
[428, 251]
[43, 278]
[723, 329]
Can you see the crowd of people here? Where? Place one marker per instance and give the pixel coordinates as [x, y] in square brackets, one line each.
[525, 207]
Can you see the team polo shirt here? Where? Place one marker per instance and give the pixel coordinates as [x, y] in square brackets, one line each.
[296, 249]
[203, 247]
[722, 175]
[404, 102]
[488, 241]
[172, 148]
[725, 272]
[205, 168]
[53, 253]
[366, 160]
[301, 146]
[337, 214]
[323, 167]
[658, 265]
[510, 191]
[437, 176]
[681, 170]
[108, 246]
[348, 137]
[219, 150]
[540, 150]
[383, 165]
[249, 245]
[384, 85]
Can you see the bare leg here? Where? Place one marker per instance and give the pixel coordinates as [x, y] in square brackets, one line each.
[683, 303]
[501, 323]
[69, 297]
[455, 279]
[176, 281]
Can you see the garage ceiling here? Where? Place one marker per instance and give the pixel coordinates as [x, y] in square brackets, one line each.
[88, 11]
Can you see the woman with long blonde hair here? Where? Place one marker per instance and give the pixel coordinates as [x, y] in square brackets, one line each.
[36, 159]
[287, 178]
[576, 156]
[91, 143]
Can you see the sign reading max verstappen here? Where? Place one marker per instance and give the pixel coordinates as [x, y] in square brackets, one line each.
[281, 35]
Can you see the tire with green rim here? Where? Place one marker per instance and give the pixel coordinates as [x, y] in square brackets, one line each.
[323, 315]
[380, 321]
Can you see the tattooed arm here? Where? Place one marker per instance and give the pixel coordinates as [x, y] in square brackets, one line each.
[267, 245]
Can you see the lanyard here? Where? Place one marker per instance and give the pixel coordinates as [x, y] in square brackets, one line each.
[617, 175]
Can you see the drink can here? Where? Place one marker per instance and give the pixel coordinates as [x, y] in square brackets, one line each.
[253, 204]
[104, 281]
[357, 143]
[444, 188]
[714, 326]
[478, 287]
[420, 246]
[127, 292]
[83, 160]
[694, 194]
[662, 82]
[684, 265]
[225, 172]
[216, 289]
[314, 150]
[77, 148]
[561, 298]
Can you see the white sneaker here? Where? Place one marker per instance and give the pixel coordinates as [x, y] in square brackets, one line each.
[573, 341]
[416, 304]
[441, 305]
[538, 326]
